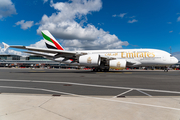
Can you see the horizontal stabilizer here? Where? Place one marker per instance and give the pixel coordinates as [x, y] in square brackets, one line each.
[6, 46]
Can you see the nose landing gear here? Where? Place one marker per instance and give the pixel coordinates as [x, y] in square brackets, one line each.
[165, 69]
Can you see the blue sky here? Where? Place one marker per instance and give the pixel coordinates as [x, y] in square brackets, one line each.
[93, 24]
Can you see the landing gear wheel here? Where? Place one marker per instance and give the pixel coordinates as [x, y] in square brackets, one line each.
[165, 69]
[99, 70]
[95, 69]
[106, 70]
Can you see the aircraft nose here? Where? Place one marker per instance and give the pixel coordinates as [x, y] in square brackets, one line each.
[175, 60]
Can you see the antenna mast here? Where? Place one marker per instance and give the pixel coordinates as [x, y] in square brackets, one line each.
[170, 49]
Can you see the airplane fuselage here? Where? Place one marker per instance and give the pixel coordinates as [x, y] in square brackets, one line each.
[140, 57]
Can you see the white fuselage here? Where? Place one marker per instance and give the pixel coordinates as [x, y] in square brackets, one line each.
[139, 57]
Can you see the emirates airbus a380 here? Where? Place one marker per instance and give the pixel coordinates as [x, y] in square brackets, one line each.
[101, 60]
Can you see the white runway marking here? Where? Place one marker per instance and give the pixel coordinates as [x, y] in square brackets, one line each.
[144, 93]
[111, 100]
[123, 93]
[91, 85]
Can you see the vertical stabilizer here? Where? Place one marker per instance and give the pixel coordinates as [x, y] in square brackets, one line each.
[50, 41]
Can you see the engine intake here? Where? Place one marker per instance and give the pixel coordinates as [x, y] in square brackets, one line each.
[90, 60]
[117, 64]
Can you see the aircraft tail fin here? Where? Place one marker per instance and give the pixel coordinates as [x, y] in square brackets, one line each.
[6, 46]
[50, 41]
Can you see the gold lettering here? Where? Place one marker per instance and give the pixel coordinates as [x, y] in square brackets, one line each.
[129, 55]
[150, 54]
[153, 55]
[122, 55]
[141, 54]
[134, 54]
[137, 55]
[111, 54]
[115, 54]
[145, 54]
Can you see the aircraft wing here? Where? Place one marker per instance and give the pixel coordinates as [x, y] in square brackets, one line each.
[107, 57]
[43, 50]
[57, 53]
[133, 62]
[40, 54]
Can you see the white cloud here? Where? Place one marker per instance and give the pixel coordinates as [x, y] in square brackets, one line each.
[100, 23]
[132, 17]
[73, 34]
[120, 15]
[44, 1]
[169, 22]
[25, 25]
[170, 31]
[104, 42]
[132, 21]
[7, 8]
[39, 44]
[114, 15]
[178, 19]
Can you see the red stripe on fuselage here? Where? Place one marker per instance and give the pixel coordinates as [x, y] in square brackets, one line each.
[57, 45]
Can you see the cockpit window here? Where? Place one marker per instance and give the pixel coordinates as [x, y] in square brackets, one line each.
[171, 55]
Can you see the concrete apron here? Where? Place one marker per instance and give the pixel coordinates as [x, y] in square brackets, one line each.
[65, 107]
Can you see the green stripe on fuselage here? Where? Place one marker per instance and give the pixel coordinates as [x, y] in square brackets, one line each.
[47, 38]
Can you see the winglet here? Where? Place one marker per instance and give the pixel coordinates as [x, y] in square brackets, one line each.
[6, 46]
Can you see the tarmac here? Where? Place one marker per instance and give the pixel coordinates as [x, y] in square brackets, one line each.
[82, 95]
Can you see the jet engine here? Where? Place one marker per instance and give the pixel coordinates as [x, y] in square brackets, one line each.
[117, 64]
[90, 60]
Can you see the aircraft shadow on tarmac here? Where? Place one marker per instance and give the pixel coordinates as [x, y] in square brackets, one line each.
[80, 71]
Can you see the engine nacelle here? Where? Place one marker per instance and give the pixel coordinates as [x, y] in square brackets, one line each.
[117, 64]
[90, 60]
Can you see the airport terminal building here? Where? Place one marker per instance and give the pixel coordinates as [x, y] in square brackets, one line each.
[29, 61]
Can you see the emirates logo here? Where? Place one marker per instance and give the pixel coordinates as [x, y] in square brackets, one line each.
[89, 60]
[118, 64]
